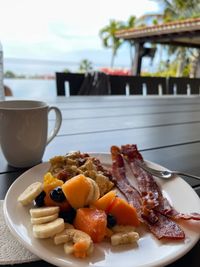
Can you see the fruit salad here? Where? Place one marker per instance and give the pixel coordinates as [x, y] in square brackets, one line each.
[77, 206]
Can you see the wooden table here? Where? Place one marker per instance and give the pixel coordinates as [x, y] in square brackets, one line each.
[166, 130]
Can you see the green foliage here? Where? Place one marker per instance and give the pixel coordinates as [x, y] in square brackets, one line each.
[174, 10]
[155, 22]
[109, 40]
[9, 74]
[66, 70]
[166, 69]
[85, 66]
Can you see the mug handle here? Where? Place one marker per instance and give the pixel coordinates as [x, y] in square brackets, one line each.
[57, 123]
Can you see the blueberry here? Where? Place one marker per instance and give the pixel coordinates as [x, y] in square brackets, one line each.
[111, 221]
[39, 200]
[57, 195]
[68, 216]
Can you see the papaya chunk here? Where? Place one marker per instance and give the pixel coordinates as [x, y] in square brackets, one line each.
[124, 213]
[76, 190]
[64, 206]
[91, 221]
[105, 201]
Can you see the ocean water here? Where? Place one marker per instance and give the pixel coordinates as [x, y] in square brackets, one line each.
[32, 88]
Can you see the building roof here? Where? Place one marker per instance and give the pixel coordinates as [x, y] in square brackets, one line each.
[180, 33]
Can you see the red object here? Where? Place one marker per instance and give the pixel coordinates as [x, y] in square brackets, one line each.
[149, 188]
[160, 225]
[120, 72]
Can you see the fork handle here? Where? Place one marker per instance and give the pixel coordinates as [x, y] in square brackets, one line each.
[187, 175]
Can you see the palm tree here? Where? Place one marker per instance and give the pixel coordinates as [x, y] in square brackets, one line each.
[176, 10]
[85, 66]
[180, 9]
[130, 24]
[107, 35]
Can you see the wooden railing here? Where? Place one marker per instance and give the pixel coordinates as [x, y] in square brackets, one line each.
[81, 84]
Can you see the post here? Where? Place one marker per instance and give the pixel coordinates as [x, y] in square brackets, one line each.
[137, 62]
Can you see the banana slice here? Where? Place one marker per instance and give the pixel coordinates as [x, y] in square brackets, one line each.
[123, 228]
[62, 237]
[72, 235]
[50, 229]
[69, 248]
[124, 238]
[44, 211]
[94, 192]
[45, 219]
[30, 193]
[91, 193]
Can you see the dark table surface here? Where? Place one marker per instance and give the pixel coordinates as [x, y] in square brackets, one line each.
[166, 130]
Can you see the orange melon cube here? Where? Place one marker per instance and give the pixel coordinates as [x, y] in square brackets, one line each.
[124, 213]
[76, 190]
[93, 222]
[105, 201]
[64, 206]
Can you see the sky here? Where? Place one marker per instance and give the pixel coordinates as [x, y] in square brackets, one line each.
[63, 30]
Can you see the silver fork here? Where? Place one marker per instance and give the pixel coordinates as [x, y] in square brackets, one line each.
[165, 174]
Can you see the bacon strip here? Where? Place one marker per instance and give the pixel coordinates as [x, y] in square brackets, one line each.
[159, 225]
[121, 181]
[148, 186]
[166, 228]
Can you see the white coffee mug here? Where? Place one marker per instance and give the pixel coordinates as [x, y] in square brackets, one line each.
[24, 131]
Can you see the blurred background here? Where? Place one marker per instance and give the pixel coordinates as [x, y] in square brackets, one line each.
[40, 38]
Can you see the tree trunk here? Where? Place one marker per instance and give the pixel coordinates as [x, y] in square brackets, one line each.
[195, 62]
[181, 62]
[137, 62]
[112, 59]
[131, 55]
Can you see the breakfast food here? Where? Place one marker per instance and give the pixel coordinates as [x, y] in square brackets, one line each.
[44, 219]
[50, 229]
[44, 211]
[75, 163]
[30, 193]
[152, 208]
[74, 206]
[88, 194]
[124, 238]
[77, 206]
[124, 213]
[93, 222]
[75, 242]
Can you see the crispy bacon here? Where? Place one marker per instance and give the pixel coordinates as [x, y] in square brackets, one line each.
[159, 225]
[121, 181]
[148, 186]
[166, 228]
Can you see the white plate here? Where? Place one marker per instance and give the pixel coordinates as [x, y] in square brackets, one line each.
[148, 251]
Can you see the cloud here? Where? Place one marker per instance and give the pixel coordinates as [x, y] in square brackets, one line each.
[56, 28]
